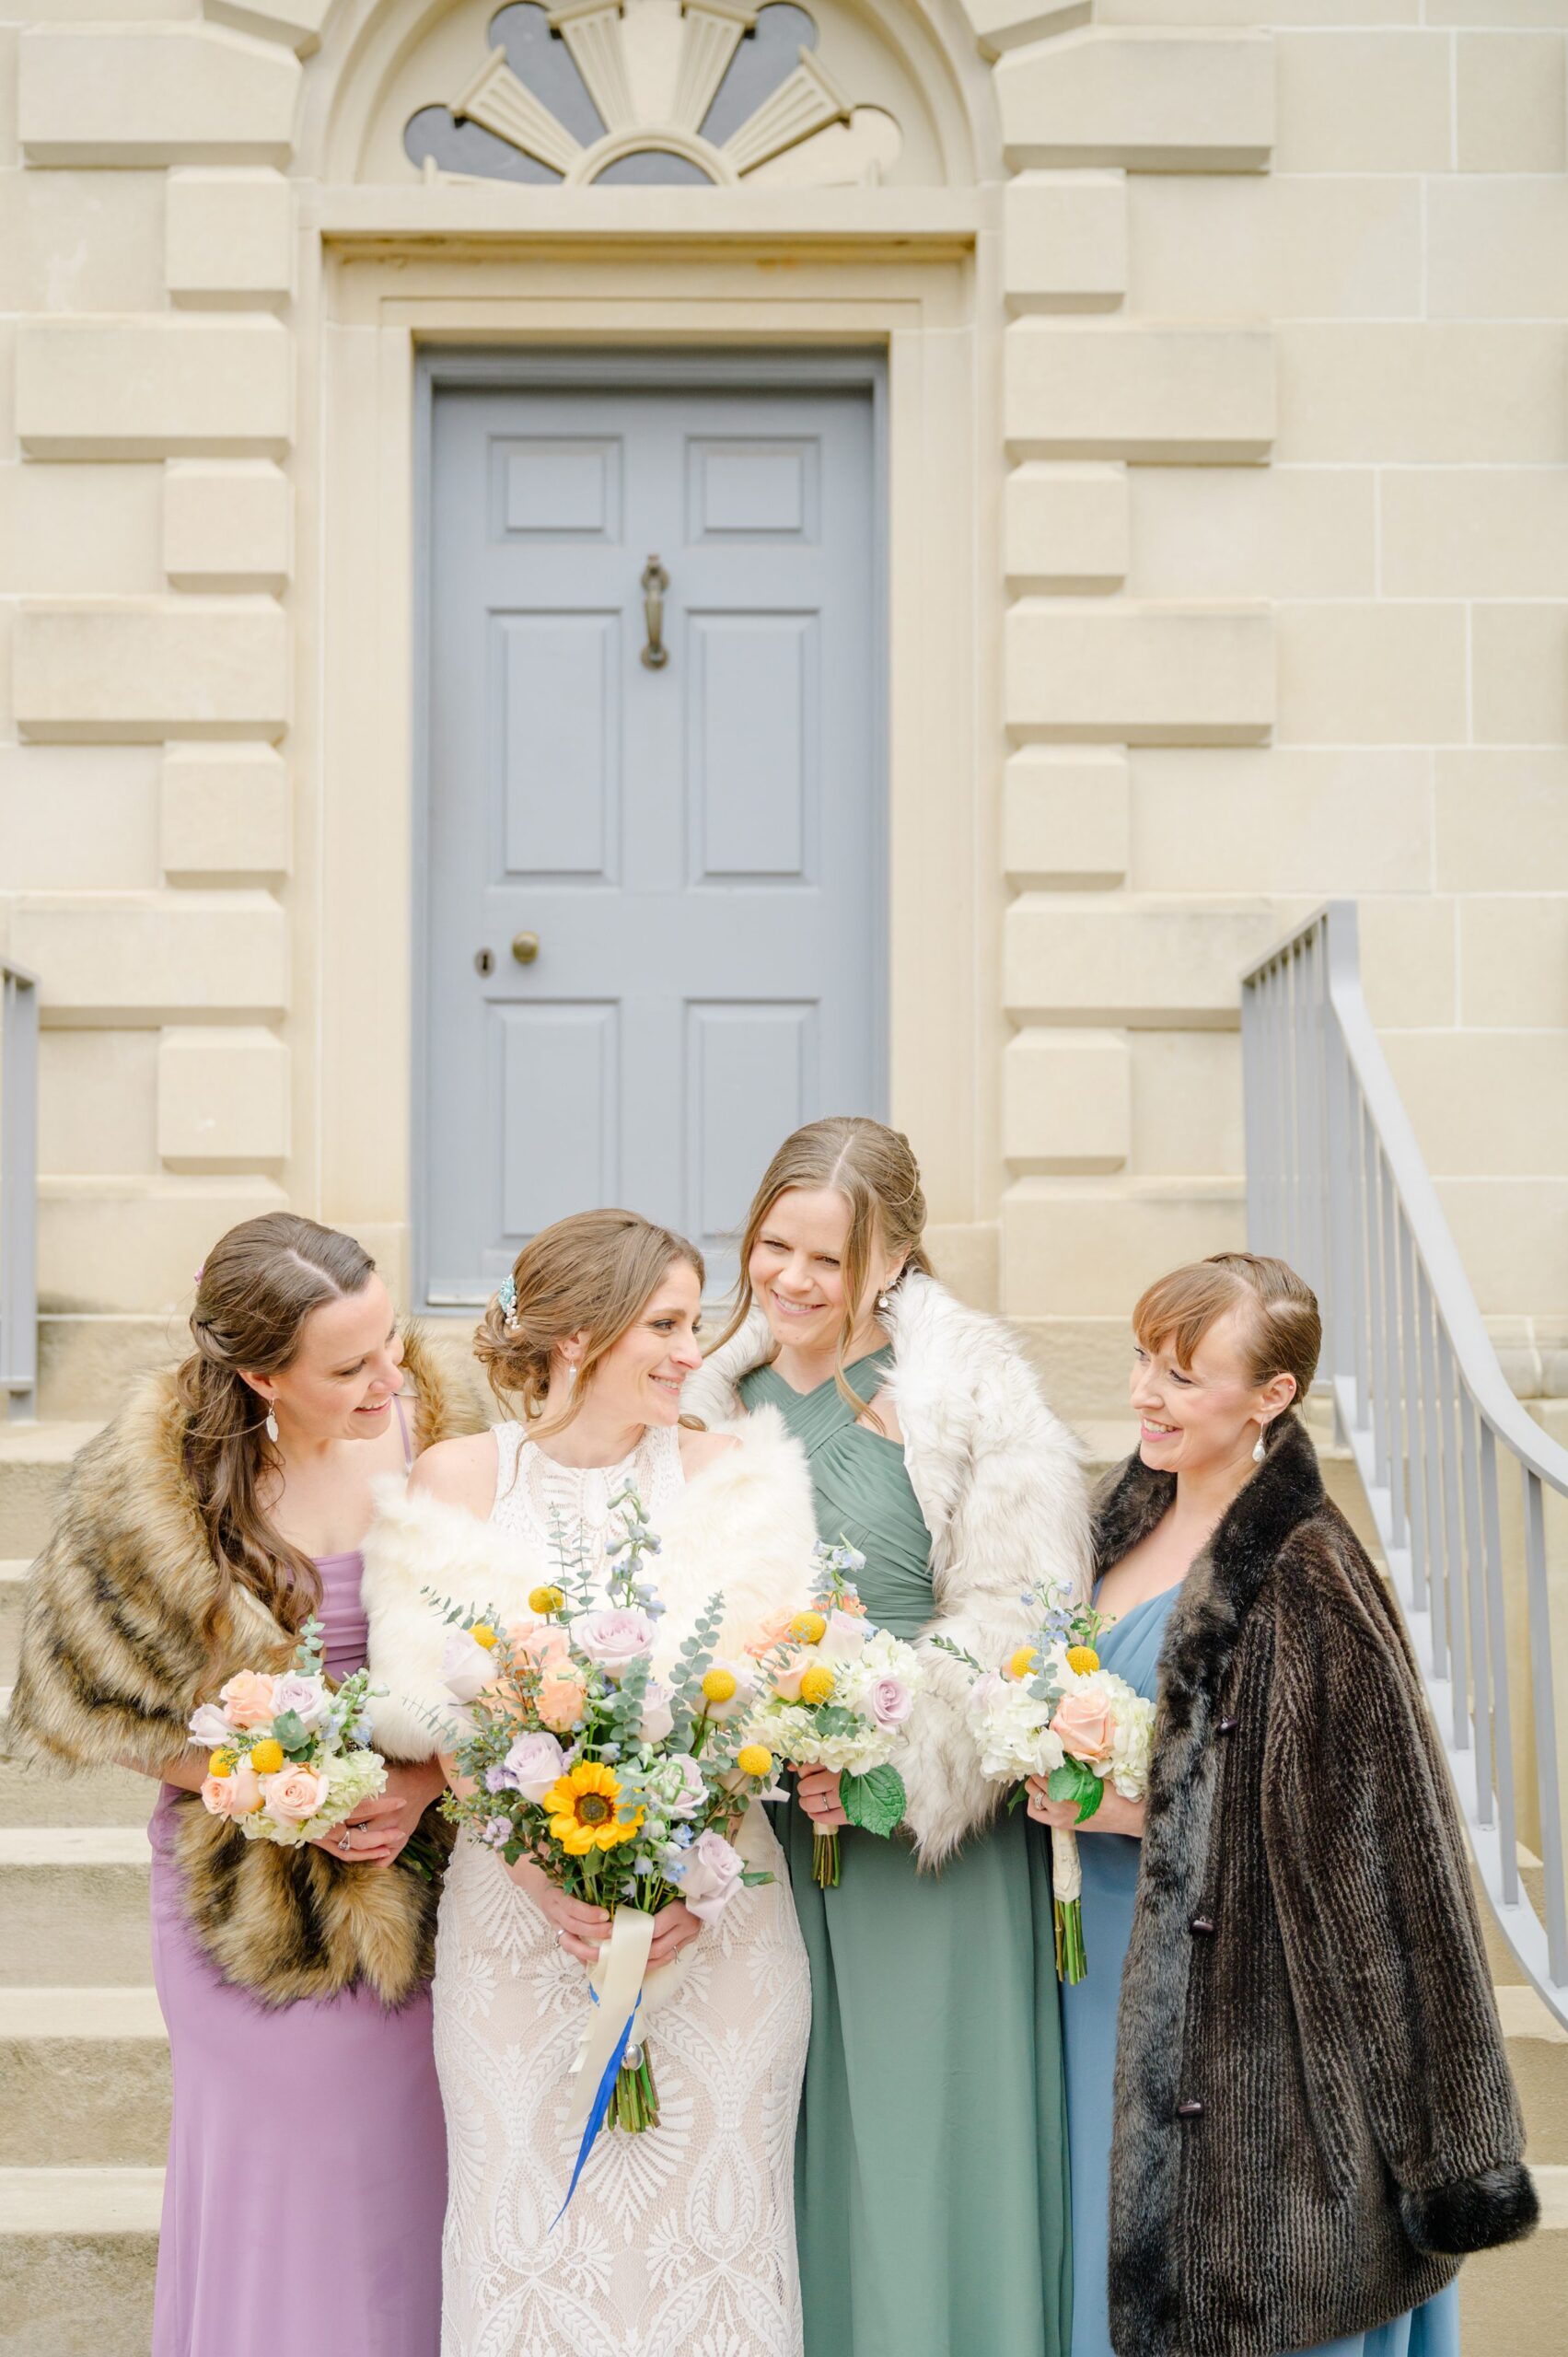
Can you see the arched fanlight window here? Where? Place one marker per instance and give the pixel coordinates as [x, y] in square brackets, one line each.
[658, 92]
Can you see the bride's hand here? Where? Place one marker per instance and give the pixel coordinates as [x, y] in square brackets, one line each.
[675, 1927]
[582, 1929]
[816, 1789]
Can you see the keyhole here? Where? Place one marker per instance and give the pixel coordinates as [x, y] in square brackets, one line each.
[485, 961]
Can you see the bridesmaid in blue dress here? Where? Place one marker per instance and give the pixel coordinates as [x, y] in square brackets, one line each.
[1223, 1350]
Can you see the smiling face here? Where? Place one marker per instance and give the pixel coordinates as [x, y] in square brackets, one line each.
[345, 1373]
[640, 1378]
[1205, 1417]
[797, 1268]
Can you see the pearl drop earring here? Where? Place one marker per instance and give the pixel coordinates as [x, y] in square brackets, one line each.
[272, 1423]
[1258, 1452]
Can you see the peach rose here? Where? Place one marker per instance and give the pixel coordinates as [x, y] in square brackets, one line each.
[560, 1701]
[540, 1641]
[1085, 1724]
[772, 1632]
[787, 1681]
[236, 1795]
[294, 1794]
[248, 1699]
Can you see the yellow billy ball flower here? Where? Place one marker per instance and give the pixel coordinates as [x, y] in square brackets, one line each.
[545, 1599]
[1082, 1659]
[266, 1757]
[482, 1634]
[754, 1759]
[809, 1628]
[221, 1764]
[816, 1685]
[1022, 1662]
[718, 1686]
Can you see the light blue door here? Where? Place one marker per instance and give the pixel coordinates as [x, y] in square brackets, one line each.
[655, 921]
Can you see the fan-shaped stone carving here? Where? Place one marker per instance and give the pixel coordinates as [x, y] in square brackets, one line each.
[651, 71]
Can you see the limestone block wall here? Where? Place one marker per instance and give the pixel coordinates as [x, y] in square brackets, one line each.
[1287, 620]
[1274, 298]
[146, 425]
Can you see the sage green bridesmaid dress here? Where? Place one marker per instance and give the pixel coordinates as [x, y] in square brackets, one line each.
[930, 2166]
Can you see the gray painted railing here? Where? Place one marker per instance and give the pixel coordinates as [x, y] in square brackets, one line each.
[1335, 1184]
[18, 1188]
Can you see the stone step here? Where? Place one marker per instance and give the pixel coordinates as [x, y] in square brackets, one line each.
[33, 1460]
[74, 1901]
[78, 2248]
[1538, 2056]
[83, 2078]
[32, 1791]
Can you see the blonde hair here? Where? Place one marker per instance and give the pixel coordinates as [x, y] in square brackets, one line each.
[1284, 1331]
[257, 1287]
[875, 1171]
[594, 1273]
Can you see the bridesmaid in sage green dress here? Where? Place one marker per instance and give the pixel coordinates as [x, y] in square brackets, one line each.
[931, 2179]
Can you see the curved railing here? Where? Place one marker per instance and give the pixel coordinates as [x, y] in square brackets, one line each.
[19, 1187]
[1457, 1475]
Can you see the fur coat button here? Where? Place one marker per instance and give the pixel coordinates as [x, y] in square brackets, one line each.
[1202, 1926]
[1190, 2109]
[1227, 1726]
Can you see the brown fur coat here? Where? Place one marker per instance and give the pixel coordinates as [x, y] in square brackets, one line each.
[1314, 2114]
[115, 1658]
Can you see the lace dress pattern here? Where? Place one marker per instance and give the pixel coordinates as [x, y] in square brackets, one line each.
[679, 2242]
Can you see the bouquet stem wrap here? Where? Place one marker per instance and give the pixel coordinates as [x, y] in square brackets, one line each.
[1067, 1882]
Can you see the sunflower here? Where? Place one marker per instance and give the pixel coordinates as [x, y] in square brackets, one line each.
[582, 1810]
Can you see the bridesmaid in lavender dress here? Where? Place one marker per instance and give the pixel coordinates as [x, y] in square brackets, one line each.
[223, 1507]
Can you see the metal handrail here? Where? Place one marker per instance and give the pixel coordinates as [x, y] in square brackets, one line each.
[18, 1188]
[1337, 1185]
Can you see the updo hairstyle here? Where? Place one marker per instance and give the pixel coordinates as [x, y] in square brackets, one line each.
[258, 1286]
[875, 1171]
[1283, 1332]
[592, 1274]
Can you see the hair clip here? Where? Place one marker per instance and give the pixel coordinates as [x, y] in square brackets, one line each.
[506, 1297]
[200, 1274]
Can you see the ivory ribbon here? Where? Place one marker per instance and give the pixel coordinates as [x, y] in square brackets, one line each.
[622, 1973]
[1066, 1871]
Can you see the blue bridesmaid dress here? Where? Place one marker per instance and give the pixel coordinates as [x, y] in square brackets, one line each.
[1130, 1646]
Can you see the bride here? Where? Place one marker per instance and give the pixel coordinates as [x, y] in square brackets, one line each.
[681, 2237]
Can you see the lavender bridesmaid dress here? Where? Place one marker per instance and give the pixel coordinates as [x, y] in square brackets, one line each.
[308, 2153]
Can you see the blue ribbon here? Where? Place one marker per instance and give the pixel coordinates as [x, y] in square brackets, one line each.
[602, 2095]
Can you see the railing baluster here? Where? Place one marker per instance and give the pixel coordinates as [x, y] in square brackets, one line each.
[1482, 1667]
[1375, 1298]
[1497, 1646]
[18, 1189]
[1415, 1430]
[1549, 1791]
[1453, 1545]
[1394, 1350]
[1436, 1543]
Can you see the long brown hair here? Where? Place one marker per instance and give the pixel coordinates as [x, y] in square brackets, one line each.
[875, 1171]
[259, 1283]
[594, 1273]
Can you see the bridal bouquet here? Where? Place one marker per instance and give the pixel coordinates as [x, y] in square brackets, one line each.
[623, 1786]
[1053, 1712]
[290, 1758]
[836, 1691]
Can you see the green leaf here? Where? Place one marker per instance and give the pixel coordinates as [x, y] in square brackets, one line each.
[876, 1802]
[1073, 1782]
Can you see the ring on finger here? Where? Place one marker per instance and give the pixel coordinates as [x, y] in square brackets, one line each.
[347, 1844]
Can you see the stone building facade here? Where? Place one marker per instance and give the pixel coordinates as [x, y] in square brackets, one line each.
[1224, 520]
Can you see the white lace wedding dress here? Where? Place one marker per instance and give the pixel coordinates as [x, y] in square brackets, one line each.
[679, 2242]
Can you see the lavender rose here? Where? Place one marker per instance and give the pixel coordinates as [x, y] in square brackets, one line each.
[678, 1780]
[892, 1702]
[614, 1638]
[533, 1764]
[711, 1876]
[658, 1715]
[210, 1725]
[306, 1697]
